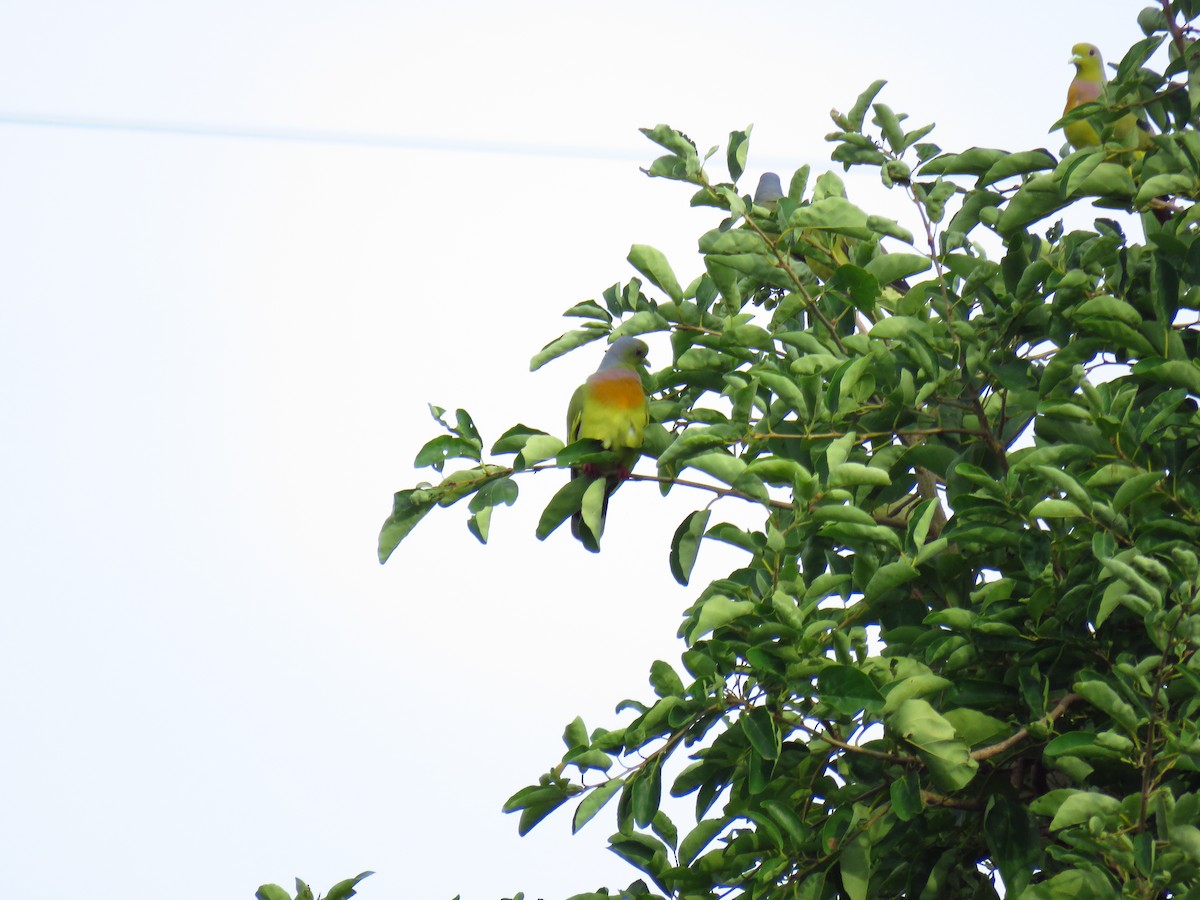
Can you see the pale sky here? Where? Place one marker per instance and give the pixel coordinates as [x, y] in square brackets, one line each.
[217, 352]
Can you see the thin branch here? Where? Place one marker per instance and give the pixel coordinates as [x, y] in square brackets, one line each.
[1011, 741]
[829, 736]
[932, 799]
[719, 491]
[867, 435]
[1173, 26]
[781, 257]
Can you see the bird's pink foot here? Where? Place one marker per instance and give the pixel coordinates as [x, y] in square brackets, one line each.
[590, 470]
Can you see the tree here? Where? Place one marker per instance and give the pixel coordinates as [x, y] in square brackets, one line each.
[963, 642]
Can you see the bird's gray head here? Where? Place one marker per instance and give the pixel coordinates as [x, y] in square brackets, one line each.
[625, 351]
[769, 188]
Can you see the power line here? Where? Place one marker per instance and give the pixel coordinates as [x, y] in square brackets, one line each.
[355, 139]
[317, 136]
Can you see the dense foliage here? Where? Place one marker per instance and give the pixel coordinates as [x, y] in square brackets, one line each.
[963, 641]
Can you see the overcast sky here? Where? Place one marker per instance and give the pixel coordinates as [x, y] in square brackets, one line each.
[244, 245]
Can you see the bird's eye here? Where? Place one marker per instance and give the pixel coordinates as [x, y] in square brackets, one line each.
[1092, 52]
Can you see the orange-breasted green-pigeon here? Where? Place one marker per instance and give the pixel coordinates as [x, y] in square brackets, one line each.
[1088, 86]
[610, 407]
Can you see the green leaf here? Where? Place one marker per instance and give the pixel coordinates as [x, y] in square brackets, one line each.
[593, 802]
[1107, 700]
[534, 813]
[891, 267]
[786, 816]
[1080, 806]
[653, 264]
[538, 448]
[591, 507]
[1056, 509]
[851, 474]
[272, 892]
[735, 155]
[644, 321]
[833, 214]
[848, 690]
[576, 735]
[906, 797]
[685, 545]
[565, 503]
[887, 578]
[589, 309]
[344, 890]
[889, 228]
[1166, 183]
[1037, 198]
[1135, 487]
[716, 611]
[732, 242]
[858, 112]
[1107, 307]
[408, 508]
[566, 343]
[889, 125]
[515, 439]
[699, 838]
[936, 742]
[1174, 373]
[762, 732]
[444, 447]
[974, 161]
[855, 866]
[1018, 164]
[664, 680]
[898, 327]
[590, 759]
[675, 141]
[976, 728]
[646, 790]
[642, 851]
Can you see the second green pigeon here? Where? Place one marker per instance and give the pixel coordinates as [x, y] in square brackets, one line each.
[610, 407]
[1088, 86]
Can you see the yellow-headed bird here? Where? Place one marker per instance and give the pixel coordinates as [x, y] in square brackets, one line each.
[1089, 86]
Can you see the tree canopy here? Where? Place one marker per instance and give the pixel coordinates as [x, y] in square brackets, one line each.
[962, 643]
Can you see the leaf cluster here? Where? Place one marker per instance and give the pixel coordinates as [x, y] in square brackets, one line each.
[343, 890]
[961, 646]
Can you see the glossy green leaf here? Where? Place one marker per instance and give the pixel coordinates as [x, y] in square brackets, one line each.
[686, 544]
[653, 264]
[594, 801]
[566, 343]
[563, 505]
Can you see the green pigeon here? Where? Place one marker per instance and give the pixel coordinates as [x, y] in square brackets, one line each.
[823, 253]
[610, 407]
[1089, 86]
[769, 190]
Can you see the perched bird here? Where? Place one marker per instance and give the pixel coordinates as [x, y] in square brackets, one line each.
[822, 252]
[769, 190]
[610, 407]
[1088, 86]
